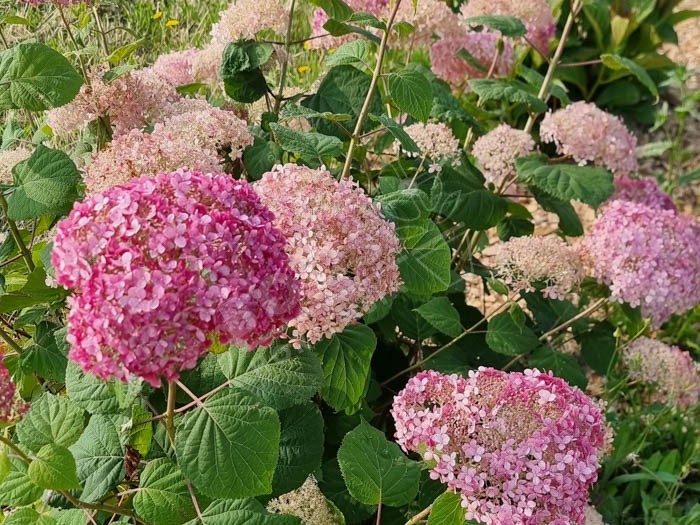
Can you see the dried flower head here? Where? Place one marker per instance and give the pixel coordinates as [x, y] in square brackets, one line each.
[670, 371]
[482, 46]
[436, 142]
[162, 266]
[339, 245]
[522, 262]
[307, 503]
[590, 134]
[518, 447]
[12, 407]
[649, 257]
[643, 190]
[9, 158]
[592, 516]
[497, 151]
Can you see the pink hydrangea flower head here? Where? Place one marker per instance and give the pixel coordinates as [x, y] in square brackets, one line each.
[436, 141]
[160, 267]
[649, 257]
[480, 45]
[176, 68]
[524, 261]
[536, 15]
[339, 245]
[430, 19]
[12, 407]
[321, 39]
[644, 190]
[671, 372]
[195, 134]
[518, 447]
[589, 134]
[497, 151]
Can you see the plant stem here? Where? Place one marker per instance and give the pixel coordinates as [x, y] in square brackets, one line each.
[5, 336]
[379, 514]
[418, 517]
[102, 506]
[549, 77]
[354, 138]
[285, 63]
[15, 449]
[59, 8]
[170, 411]
[100, 29]
[16, 235]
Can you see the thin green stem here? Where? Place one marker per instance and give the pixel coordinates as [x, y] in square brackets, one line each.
[14, 448]
[17, 236]
[549, 76]
[422, 514]
[354, 138]
[285, 63]
[11, 343]
[59, 8]
[170, 412]
[100, 29]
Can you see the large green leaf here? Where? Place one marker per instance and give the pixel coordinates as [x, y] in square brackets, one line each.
[51, 420]
[29, 517]
[563, 365]
[245, 511]
[506, 336]
[588, 184]
[313, 146]
[94, 395]
[333, 487]
[54, 468]
[506, 25]
[17, 489]
[425, 262]
[354, 53]
[569, 222]
[301, 446]
[447, 510]
[100, 458]
[163, 497]
[599, 347]
[375, 470]
[35, 77]
[617, 62]
[507, 90]
[405, 208]
[411, 92]
[45, 184]
[240, 70]
[233, 437]
[346, 360]
[279, 376]
[440, 313]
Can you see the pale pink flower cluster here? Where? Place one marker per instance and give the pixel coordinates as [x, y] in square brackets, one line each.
[12, 407]
[196, 135]
[589, 134]
[430, 19]
[497, 151]
[522, 262]
[649, 257]
[161, 267]
[671, 372]
[128, 101]
[520, 448]
[177, 67]
[593, 517]
[9, 158]
[535, 14]
[644, 190]
[482, 46]
[342, 250]
[241, 20]
[436, 142]
[320, 37]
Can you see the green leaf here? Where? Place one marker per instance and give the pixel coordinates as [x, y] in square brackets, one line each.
[425, 263]
[17, 489]
[246, 86]
[234, 437]
[563, 365]
[45, 184]
[588, 184]
[5, 463]
[447, 510]
[343, 91]
[51, 420]
[29, 517]
[355, 53]
[514, 227]
[292, 111]
[35, 77]
[313, 146]
[45, 357]
[569, 222]
[346, 360]
[405, 208]
[333, 487]
[411, 92]
[99, 457]
[507, 90]
[617, 63]
[244, 55]
[123, 52]
[163, 498]
[248, 511]
[87, 391]
[140, 432]
[440, 313]
[301, 447]
[68, 517]
[375, 470]
[260, 157]
[336, 9]
[506, 336]
[54, 468]
[507, 25]
[397, 131]
[598, 347]
[279, 376]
